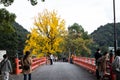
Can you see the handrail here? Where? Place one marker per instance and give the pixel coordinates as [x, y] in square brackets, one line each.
[89, 64]
[36, 62]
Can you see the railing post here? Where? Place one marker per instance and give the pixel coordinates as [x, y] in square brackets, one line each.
[17, 69]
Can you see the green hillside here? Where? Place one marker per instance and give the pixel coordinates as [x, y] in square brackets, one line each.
[104, 35]
[13, 42]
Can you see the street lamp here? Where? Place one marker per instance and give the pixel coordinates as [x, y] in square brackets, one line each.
[115, 34]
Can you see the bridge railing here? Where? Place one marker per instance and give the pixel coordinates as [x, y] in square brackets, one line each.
[36, 62]
[88, 63]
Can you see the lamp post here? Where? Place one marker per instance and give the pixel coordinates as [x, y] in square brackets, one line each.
[115, 34]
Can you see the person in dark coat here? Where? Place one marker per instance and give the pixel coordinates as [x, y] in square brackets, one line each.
[97, 55]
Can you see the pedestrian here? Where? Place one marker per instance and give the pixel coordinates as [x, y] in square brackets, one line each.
[116, 65]
[27, 65]
[56, 58]
[103, 65]
[97, 55]
[51, 59]
[5, 67]
[71, 58]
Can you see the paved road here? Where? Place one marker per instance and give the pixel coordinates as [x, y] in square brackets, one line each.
[59, 71]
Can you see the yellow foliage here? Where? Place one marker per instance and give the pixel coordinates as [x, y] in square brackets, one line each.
[47, 33]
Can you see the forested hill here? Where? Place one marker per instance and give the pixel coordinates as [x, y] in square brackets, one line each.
[104, 35]
[13, 42]
[21, 32]
[21, 35]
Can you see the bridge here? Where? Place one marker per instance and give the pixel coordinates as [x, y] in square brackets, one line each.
[83, 69]
[58, 71]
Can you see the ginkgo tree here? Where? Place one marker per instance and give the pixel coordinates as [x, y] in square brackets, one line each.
[47, 34]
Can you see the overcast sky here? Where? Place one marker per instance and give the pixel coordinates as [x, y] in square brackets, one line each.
[90, 14]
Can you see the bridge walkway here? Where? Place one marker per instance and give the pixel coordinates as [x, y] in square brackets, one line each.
[58, 71]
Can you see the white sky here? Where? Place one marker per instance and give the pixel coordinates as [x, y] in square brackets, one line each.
[90, 14]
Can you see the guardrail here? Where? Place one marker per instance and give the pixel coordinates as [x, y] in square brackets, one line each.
[89, 64]
[36, 62]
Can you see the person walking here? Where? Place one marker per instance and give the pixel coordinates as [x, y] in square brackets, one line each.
[71, 58]
[5, 67]
[116, 65]
[51, 59]
[26, 64]
[97, 55]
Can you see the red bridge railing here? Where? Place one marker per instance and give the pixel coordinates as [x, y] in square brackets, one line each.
[89, 64]
[36, 62]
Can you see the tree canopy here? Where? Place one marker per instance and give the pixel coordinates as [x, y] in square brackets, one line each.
[7, 3]
[12, 35]
[7, 35]
[47, 34]
[6, 21]
[77, 40]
